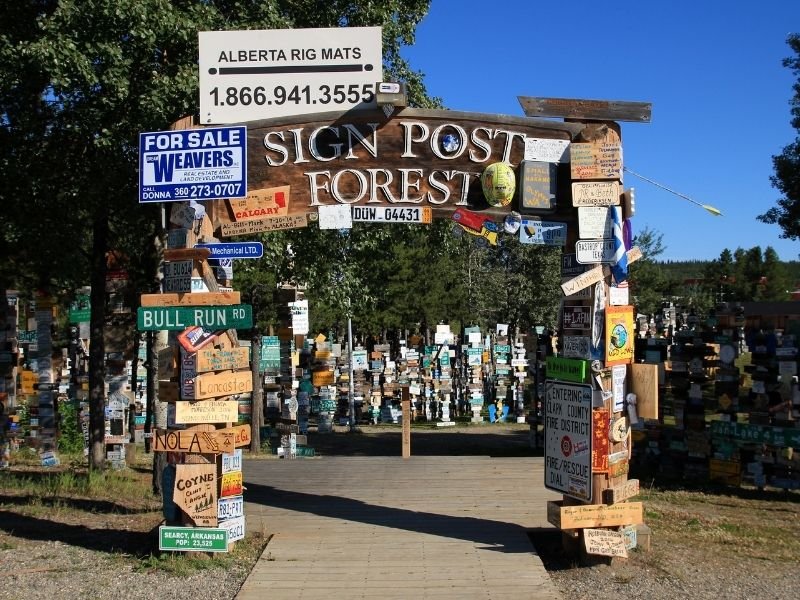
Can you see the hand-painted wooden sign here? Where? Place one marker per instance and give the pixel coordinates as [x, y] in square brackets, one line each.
[239, 434]
[220, 359]
[595, 193]
[206, 411]
[568, 438]
[605, 542]
[192, 299]
[265, 224]
[196, 492]
[202, 442]
[231, 484]
[594, 222]
[261, 203]
[594, 515]
[582, 281]
[600, 443]
[537, 187]
[584, 109]
[226, 383]
[619, 335]
[595, 160]
[618, 493]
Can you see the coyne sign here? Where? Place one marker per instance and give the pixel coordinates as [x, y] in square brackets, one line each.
[193, 164]
[568, 439]
[256, 74]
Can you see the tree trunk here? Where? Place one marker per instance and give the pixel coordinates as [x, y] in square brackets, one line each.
[152, 369]
[97, 367]
[257, 396]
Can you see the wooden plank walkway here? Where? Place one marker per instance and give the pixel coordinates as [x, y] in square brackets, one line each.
[381, 527]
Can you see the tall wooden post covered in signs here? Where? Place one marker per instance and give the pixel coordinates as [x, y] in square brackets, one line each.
[594, 391]
[202, 375]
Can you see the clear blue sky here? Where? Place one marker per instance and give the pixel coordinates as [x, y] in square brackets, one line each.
[712, 70]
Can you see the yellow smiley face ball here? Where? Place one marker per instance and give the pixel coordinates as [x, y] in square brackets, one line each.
[498, 183]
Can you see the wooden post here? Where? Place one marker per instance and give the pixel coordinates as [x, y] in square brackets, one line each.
[405, 402]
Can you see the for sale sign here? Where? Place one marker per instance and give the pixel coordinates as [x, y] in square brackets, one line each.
[568, 439]
[193, 164]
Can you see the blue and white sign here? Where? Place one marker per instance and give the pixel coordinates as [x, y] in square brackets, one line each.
[193, 164]
[545, 233]
[235, 249]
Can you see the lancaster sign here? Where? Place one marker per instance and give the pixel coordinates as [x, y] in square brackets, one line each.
[425, 158]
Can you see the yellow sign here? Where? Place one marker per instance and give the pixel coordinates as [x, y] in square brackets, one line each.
[27, 379]
[216, 385]
[620, 335]
[192, 299]
[231, 484]
[594, 515]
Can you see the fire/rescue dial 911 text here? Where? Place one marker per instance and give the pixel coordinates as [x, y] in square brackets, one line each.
[199, 164]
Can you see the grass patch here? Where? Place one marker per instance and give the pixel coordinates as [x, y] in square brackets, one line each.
[244, 555]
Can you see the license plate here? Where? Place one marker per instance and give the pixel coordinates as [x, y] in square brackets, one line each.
[392, 214]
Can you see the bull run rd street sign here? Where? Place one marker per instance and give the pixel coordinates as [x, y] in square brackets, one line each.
[193, 164]
[176, 318]
[257, 74]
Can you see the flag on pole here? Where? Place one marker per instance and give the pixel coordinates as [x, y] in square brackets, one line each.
[619, 267]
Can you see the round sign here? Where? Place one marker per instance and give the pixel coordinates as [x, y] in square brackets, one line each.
[293, 405]
[727, 354]
[566, 445]
[619, 430]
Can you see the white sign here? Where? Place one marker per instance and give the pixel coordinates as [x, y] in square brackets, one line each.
[594, 251]
[335, 216]
[230, 508]
[391, 214]
[299, 312]
[235, 528]
[259, 74]
[594, 222]
[545, 150]
[618, 374]
[568, 439]
[232, 462]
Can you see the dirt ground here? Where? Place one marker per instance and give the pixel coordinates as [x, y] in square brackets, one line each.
[713, 542]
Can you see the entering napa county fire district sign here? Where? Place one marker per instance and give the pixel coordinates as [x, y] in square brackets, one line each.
[568, 438]
[193, 164]
[262, 74]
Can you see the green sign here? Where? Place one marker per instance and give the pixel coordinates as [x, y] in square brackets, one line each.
[270, 352]
[26, 336]
[79, 309]
[566, 369]
[502, 348]
[175, 318]
[757, 434]
[186, 539]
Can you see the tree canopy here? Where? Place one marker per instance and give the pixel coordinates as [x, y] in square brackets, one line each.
[786, 165]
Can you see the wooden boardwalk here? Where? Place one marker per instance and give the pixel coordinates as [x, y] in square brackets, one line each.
[381, 527]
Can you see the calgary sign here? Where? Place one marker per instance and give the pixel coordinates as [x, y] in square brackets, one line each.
[426, 158]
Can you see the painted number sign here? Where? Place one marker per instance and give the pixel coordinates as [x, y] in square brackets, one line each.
[250, 75]
[568, 439]
[193, 164]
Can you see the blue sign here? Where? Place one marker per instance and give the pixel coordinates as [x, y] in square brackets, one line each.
[193, 164]
[544, 233]
[235, 249]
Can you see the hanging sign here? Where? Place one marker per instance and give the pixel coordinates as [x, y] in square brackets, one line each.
[193, 164]
[619, 335]
[568, 439]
